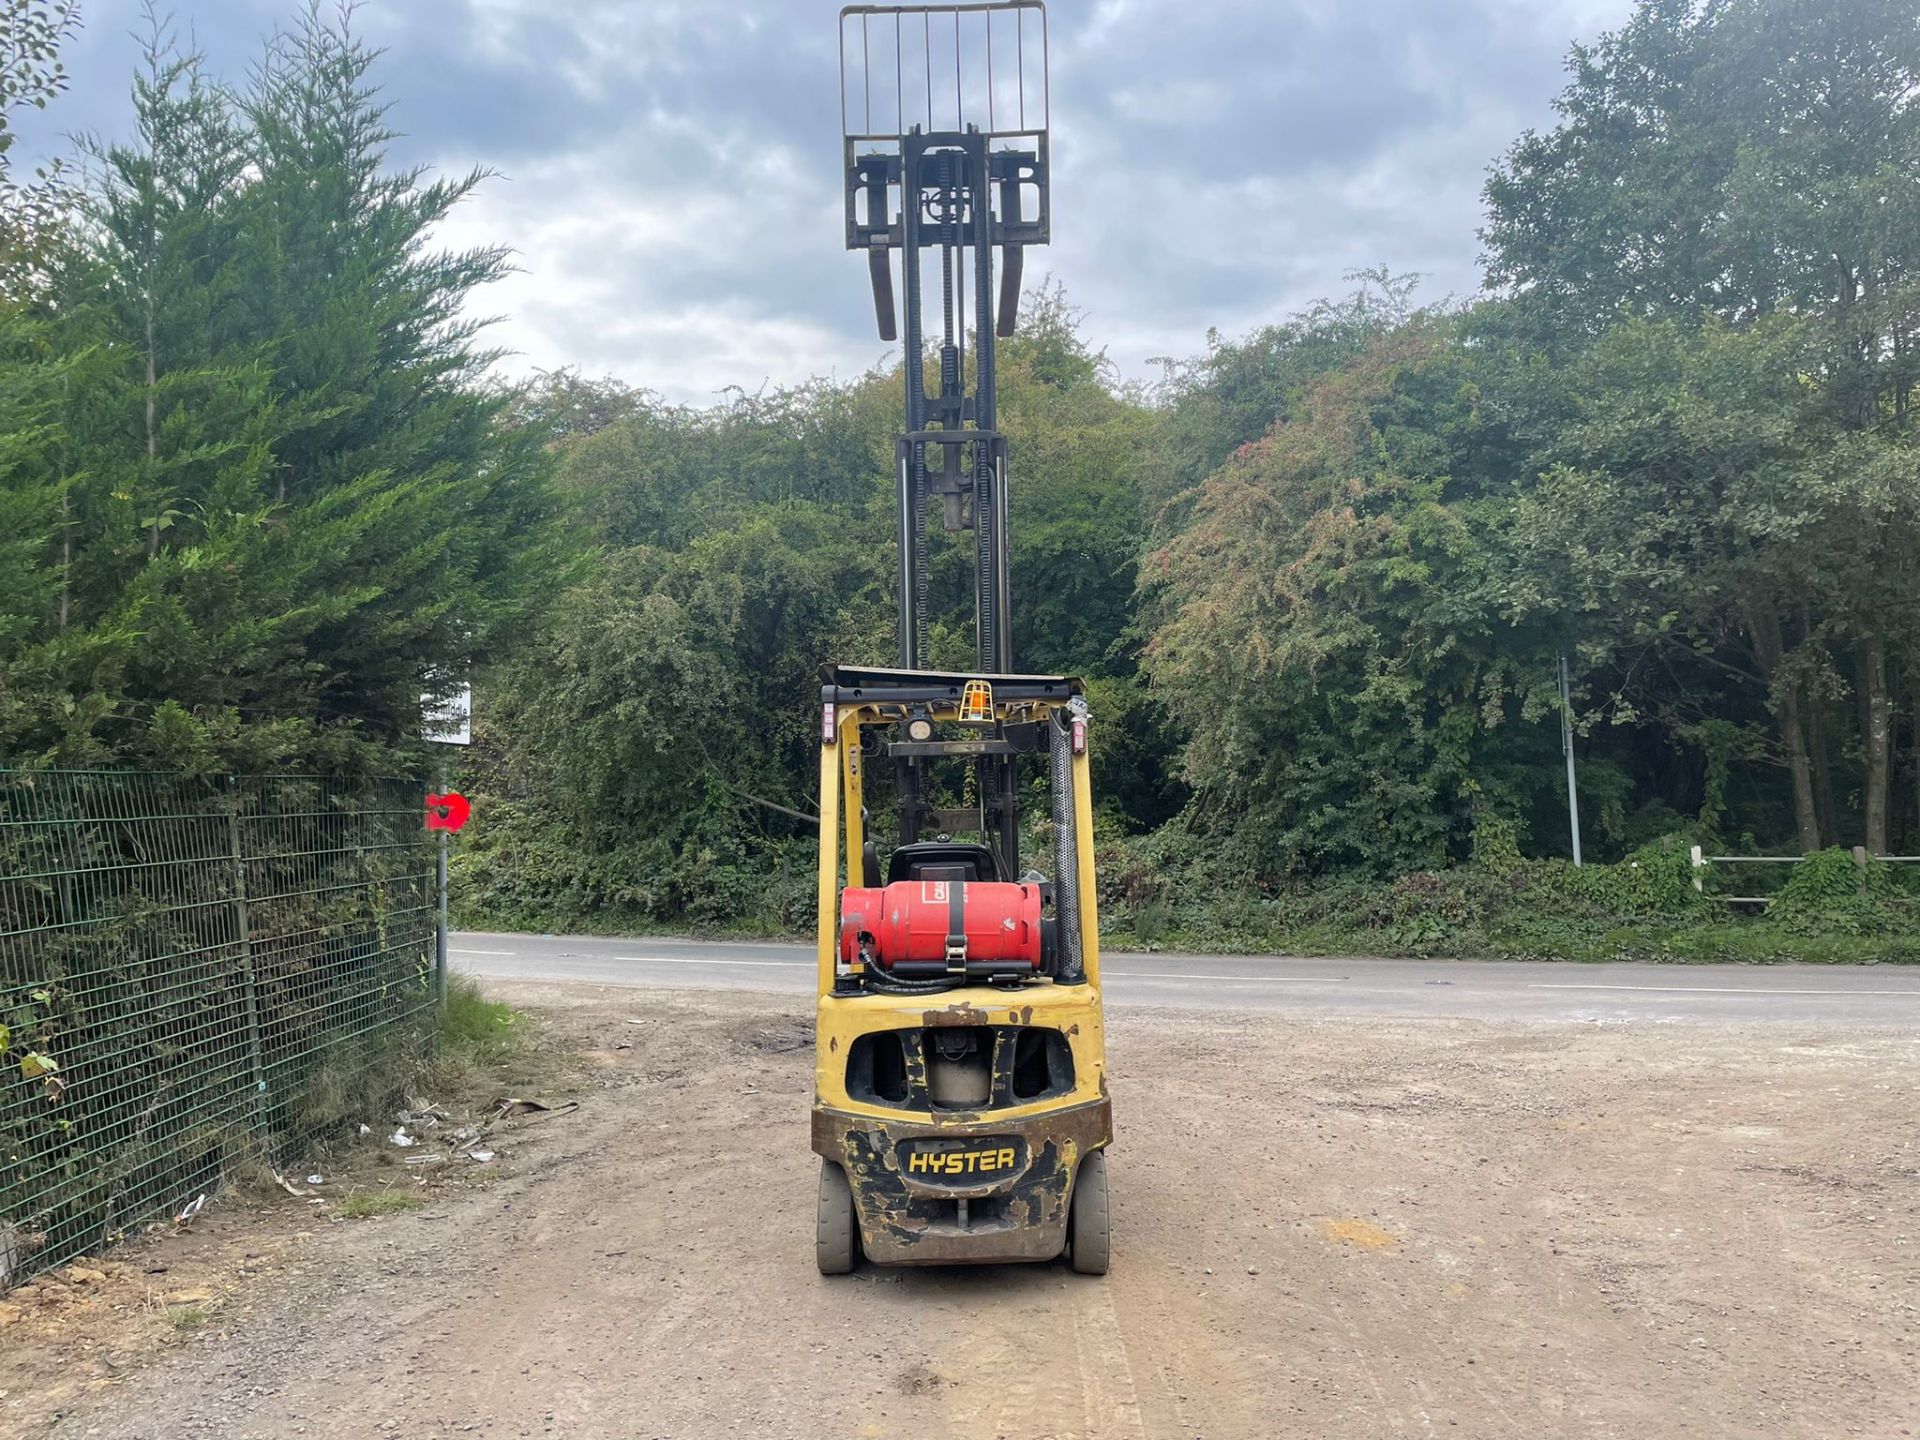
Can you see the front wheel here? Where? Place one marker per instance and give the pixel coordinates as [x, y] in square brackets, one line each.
[836, 1236]
[1091, 1245]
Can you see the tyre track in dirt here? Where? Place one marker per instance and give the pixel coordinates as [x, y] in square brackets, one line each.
[1323, 1227]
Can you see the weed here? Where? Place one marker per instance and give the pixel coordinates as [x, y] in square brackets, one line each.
[353, 1083]
[248, 1170]
[377, 1203]
[187, 1317]
[478, 1037]
[487, 1029]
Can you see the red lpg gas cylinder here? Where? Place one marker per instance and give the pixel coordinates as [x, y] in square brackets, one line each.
[911, 920]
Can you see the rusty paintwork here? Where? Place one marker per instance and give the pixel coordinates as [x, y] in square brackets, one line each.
[961, 1014]
[911, 1221]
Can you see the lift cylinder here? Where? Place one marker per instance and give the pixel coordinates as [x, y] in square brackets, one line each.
[926, 921]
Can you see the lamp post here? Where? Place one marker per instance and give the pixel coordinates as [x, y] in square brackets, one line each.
[1566, 746]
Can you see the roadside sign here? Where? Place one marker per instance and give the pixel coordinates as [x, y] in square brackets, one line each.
[448, 719]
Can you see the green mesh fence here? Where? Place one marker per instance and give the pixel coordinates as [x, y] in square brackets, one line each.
[178, 957]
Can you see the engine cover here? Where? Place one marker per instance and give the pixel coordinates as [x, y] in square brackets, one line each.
[942, 923]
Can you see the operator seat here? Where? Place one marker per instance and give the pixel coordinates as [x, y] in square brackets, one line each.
[941, 860]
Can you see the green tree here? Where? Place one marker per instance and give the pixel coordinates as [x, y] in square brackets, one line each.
[1752, 165]
[1230, 395]
[289, 507]
[1075, 449]
[37, 374]
[1322, 639]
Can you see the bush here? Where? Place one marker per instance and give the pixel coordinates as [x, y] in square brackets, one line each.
[1828, 893]
[517, 867]
[1158, 891]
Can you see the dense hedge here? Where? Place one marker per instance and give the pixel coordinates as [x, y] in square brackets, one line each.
[515, 872]
[516, 869]
[1159, 895]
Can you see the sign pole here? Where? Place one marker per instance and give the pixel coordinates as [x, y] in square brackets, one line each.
[447, 719]
[440, 930]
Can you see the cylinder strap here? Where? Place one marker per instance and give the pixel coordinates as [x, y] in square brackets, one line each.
[957, 925]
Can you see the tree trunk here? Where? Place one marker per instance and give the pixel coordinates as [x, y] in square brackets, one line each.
[1878, 743]
[1806, 819]
[153, 539]
[147, 281]
[151, 379]
[1814, 711]
[66, 554]
[1913, 843]
[1770, 650]
[1825, 808]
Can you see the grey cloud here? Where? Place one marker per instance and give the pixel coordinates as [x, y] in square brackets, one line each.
[671, 170]
[1245, 89]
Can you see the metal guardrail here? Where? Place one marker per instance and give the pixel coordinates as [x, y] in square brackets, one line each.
[1701, 860]
[179, 957]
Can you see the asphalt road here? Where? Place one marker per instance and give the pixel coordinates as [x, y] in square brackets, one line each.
[1469, 989]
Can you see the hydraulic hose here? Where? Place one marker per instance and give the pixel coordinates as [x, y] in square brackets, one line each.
[884, 984]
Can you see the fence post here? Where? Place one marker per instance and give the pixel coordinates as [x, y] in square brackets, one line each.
[249, 980]
[1860, 867]
[1699, 864]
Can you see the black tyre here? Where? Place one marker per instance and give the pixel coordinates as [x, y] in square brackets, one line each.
[1090, 1245]
[836, 1241]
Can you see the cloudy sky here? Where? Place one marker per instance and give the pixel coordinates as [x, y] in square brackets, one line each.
[669, 169]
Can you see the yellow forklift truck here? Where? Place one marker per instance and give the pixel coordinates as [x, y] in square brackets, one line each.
[960, 1096]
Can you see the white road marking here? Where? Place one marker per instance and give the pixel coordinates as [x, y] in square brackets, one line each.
[451, 950]
[621, 939]
[702, 960]
[1724, 990]
[1245, 979]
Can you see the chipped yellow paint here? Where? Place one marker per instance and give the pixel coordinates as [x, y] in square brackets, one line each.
[1363, 1233]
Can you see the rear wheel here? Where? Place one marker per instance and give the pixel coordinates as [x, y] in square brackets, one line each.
[836, 1238]
[1091, 1243]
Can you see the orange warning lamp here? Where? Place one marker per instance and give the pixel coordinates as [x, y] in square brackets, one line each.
[976, 703]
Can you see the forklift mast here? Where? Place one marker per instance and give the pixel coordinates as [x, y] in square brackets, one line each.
[944, 118]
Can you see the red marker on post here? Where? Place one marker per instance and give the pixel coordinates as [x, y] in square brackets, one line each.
[447, 812]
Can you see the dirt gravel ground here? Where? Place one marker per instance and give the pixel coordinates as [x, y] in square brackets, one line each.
[1323, 1228]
